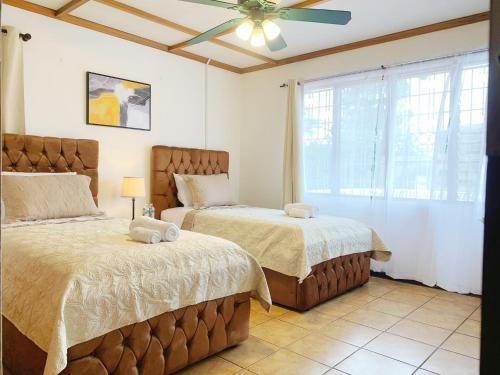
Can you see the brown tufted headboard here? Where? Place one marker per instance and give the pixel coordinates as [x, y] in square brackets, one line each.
[165, 161]
[29, 153]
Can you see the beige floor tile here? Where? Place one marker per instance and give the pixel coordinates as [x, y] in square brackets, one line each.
[356, 297]
[310, 320]
[476, 315]
[249, 352]
[273, 313]
[335, 372]
[376, 290]
[364, 362]
[463, 344]
[471, 328]
[349, 332]
[460, 298]
[447, 363]
[211, 366]
[455, 308]
[413, 299]
[421, 332]
[245, 372]
[390, 283]
[335, 308]
[436, 318]
[400, 348]
[417, 289]
[391, 307]
[257, 317]
[287, 362]
[374, 319]
[423, 372]
[278, 332]
[322, 349]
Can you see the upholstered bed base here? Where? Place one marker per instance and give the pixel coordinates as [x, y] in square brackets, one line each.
[326, 280]
[161, 345]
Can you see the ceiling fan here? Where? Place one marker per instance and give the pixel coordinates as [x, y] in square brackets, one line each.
[257, 25]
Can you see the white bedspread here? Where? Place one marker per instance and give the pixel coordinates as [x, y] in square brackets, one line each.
[286, 244]
[66, 283]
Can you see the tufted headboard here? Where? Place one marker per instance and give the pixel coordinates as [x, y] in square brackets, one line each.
[165, 161]
[29, 153]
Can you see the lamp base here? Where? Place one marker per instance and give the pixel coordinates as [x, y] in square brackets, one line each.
[133, 208]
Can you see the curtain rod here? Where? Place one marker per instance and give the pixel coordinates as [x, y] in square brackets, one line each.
[286, 84]
[24, 37]
[396, 65]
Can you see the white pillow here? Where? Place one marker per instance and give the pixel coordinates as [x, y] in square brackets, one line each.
[37, 174]
[210, 190]
[183, 192]
[47, 197]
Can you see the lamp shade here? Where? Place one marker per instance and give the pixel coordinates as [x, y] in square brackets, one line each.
[133, 187]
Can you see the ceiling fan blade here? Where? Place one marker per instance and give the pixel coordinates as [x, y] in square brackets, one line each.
[276, 44]
[215, 3]
[214, 31]
[336, 17]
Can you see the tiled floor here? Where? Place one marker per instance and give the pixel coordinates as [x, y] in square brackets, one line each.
[382, 328]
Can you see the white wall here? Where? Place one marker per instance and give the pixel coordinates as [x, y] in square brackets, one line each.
[264, 102]
[56, 62]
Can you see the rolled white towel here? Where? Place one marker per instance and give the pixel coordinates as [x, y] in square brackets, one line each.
[141, 234]
[312, 209]
[299, 213]
[168, 231]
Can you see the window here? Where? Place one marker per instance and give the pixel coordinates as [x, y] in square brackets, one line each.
[412, 132]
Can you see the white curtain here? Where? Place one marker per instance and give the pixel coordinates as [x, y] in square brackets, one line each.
[12, 82]
[292, 166]
[403, 150]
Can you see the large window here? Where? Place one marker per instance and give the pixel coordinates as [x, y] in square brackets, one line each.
[412, 132]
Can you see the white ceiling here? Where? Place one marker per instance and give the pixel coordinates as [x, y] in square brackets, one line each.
[369, 19]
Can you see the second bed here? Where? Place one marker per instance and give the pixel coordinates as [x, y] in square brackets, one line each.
[306, 261]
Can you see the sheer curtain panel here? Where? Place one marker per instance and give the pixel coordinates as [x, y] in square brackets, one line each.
[403, 150]
[292, 158]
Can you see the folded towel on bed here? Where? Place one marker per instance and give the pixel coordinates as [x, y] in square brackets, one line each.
[141, 234]
[299, 213]
[312, 210]
[168, 231]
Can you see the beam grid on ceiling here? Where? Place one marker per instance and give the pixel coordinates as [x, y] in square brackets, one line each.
[173, 25]
[48, 12]
[69, 7]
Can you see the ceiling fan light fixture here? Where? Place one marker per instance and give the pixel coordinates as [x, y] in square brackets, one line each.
[244, 30]
[271, 29]
[258, 39]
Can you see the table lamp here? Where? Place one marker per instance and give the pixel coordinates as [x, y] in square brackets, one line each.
[133, 187]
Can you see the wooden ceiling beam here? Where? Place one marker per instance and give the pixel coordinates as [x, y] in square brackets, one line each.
[69, 7]
[39, 9]
[173, 25]
[457, 22]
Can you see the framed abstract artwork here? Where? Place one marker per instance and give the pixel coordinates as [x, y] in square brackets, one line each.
[118, 102]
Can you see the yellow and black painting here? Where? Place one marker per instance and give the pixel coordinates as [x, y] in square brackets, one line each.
[118, 102]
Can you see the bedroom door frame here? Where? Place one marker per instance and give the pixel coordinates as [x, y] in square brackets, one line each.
[490, 329]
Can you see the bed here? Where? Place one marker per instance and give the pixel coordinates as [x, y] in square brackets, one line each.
[297, 277]
[79, 297]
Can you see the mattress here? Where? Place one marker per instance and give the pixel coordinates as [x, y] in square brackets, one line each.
[290, 246]
[66, 283]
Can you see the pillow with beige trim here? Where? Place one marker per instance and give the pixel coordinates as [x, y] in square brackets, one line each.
[210, 190]
[29, 198]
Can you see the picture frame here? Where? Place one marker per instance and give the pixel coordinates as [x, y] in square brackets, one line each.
[118, 102]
